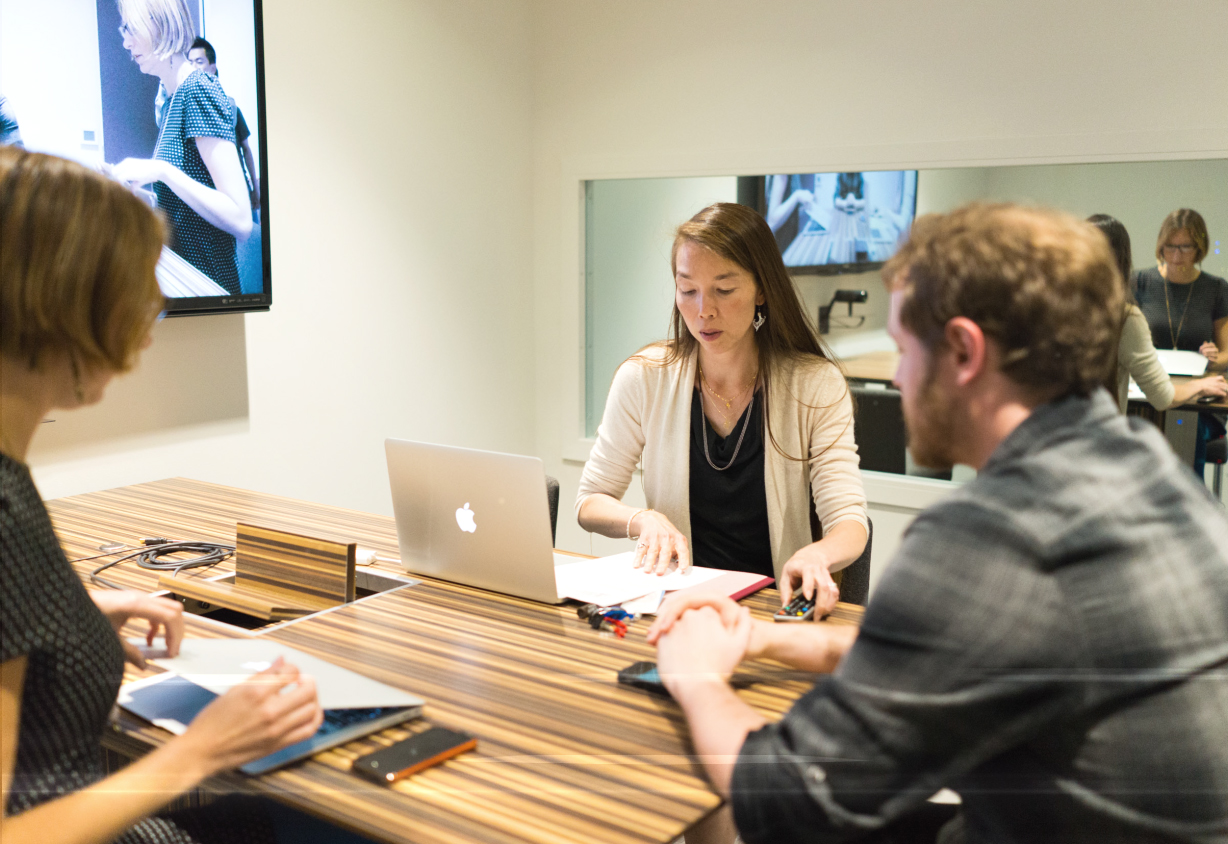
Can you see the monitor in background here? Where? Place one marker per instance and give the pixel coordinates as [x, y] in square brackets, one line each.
[79, 82]
[830, 223]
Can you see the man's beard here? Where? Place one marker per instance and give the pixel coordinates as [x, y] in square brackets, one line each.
[930, 427]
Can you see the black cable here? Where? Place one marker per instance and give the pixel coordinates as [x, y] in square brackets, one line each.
[210, 554]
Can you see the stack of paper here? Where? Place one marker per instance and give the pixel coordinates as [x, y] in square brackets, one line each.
[608, 581]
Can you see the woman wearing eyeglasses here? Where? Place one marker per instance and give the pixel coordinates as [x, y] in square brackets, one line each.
[1185, 307]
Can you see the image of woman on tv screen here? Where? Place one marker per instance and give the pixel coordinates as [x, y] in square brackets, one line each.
[195, 167]
[742, 423]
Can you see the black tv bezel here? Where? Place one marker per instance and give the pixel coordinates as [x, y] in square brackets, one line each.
[752, 191]
[247, 302]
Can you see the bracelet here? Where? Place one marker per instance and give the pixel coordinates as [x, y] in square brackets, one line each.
[632, 519]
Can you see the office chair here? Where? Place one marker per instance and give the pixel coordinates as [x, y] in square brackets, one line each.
[1217, 453]
[855, 578]
[552, 498]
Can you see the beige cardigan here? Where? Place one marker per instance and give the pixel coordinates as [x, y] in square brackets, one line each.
[648, 418]
[1136, 356]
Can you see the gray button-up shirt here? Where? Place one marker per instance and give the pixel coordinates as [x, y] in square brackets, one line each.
[1051, 641]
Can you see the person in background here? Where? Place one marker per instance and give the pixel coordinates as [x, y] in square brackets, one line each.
[1136, 355]
[1050, 640]
[741, 419]
[78, 298]
[1186, 308]
[195, 169]
[202, 56]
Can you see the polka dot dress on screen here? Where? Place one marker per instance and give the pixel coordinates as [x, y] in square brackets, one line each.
[199, 108]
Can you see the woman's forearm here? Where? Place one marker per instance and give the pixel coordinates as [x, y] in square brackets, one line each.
[843, 543]
[104, 810]
[226, 206]
[606, 515]
[214, 207]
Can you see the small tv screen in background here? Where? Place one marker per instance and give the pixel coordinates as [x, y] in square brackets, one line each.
[77, 81]
[835, 222]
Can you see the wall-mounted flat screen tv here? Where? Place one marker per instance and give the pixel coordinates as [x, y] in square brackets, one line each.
[166, 96]
[830, 223]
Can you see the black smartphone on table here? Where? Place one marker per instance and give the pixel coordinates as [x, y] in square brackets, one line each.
[643, 675]
[413, 754]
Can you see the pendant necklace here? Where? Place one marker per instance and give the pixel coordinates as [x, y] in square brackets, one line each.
[703, 420]
[1173, 335]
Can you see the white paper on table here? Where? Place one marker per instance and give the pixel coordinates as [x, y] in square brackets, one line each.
[647, 605]
[607, 581]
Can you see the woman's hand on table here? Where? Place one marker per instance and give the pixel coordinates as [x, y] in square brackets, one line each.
[273, 709]
[163, 615]
[660, 544]
[1212, 385]
[1210, 351]
[810, 571]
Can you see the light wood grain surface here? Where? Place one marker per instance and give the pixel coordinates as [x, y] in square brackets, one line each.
[565, 754]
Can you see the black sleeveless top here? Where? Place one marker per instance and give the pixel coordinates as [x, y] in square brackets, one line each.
[729, 522]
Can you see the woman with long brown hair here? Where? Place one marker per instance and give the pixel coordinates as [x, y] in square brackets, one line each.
[741, 420]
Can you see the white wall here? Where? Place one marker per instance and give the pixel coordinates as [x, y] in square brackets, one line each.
[635, 88]
[399, 169]
[53, 90]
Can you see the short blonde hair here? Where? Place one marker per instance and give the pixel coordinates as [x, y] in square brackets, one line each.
[166, 24]
[1042, 284]
[1189, 221]
[77, 258]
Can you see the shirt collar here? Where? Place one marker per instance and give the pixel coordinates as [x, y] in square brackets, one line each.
[1051, 422]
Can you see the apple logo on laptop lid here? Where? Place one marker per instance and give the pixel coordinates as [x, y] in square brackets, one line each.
[464, 518]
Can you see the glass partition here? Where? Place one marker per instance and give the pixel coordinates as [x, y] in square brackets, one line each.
[629, 227]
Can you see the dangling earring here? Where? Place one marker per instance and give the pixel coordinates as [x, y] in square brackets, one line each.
[76, 380]
[760, 318]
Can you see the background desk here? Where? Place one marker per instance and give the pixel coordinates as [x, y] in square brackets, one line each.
[565, 754]
[1177, 423]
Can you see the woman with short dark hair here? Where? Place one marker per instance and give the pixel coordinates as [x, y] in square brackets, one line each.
[741, 420]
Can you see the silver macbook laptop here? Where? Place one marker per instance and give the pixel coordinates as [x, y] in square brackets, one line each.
[354, 705]
[473, 517]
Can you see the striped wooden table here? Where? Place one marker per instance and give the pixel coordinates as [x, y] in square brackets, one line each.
[565, 754]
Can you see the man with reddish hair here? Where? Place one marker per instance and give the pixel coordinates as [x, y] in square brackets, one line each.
[1050, 641]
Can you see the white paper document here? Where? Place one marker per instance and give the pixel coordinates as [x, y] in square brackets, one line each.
[607, 581]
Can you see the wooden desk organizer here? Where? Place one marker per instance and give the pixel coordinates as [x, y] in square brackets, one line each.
[278, 575]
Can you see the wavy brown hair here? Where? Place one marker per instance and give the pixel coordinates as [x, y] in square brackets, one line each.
[741, 235]
[77, 258]
[1042, 284]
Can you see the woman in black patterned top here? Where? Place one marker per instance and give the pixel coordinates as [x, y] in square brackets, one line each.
[195, 168]
[78, 297]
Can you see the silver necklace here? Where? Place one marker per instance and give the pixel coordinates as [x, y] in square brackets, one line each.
[703, 423]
